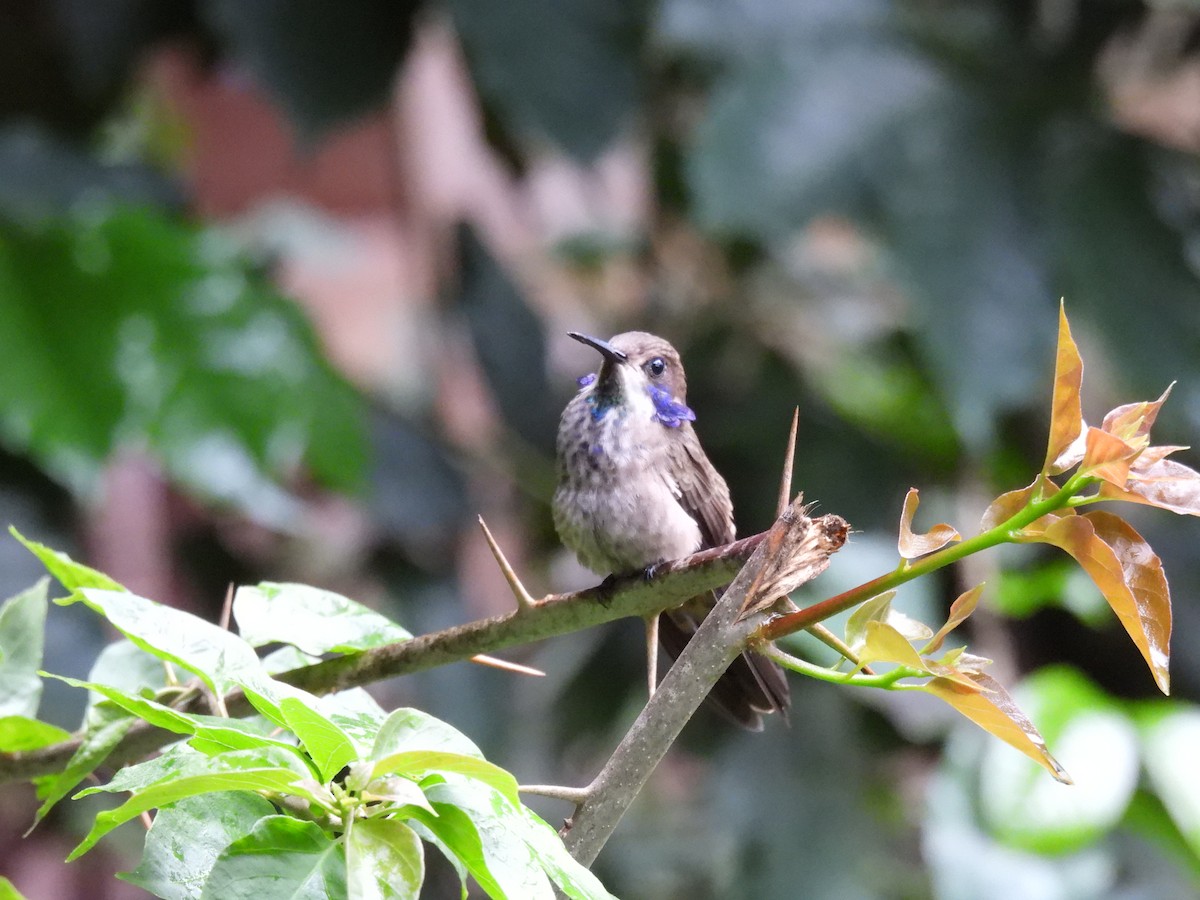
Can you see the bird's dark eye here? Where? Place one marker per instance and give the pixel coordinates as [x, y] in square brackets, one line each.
[656, 366]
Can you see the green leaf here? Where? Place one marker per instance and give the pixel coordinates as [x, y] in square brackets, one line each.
[874, 610]
[22, 636]
[220, 659]
[20, 733]
[187, 837]
[125, 666]
[573, 879]
[1092, 739]
[212, 734]
[281, 858]
[328, 745]
[357, 714]
[122, 324]
[417, 764]
[70, 574]
[485, 832]
[8, 892]
[94, 748]
[156, 784]
[385, 860]
[410, 729]
[314, 620]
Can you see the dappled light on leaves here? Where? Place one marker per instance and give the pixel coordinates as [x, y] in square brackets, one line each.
[913, 545]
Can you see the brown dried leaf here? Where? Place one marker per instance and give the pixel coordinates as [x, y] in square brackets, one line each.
[992, 708]
[1066, 419]
[960, 609]
[1129, 576]
[913, 545]
[1107, 456]
[1163, 483]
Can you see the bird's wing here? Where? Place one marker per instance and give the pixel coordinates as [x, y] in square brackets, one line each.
[703, 493]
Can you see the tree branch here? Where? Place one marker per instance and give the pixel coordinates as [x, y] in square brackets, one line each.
[554, 614]
[795, 550]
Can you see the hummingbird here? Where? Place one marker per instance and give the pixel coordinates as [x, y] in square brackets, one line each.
[635, 489]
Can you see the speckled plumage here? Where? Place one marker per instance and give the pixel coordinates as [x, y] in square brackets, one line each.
[635, 488]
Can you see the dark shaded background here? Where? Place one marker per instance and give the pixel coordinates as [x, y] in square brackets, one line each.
[283, 294]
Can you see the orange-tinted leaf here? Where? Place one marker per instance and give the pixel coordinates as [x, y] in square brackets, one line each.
[959, 610]
[885, 644]
[1146, 580]
[913, 545]
[1006, 506]
[1165, 484]
[1066, 418]
[1133, 421]
[1142, 616]
[1107, 456]
[993, 710]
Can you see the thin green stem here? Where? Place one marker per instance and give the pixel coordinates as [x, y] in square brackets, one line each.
[1003, 533]
[886, 681]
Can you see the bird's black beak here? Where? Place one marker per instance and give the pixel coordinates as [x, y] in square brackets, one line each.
[608, 350]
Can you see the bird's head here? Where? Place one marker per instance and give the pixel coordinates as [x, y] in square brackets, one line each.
[638, 364]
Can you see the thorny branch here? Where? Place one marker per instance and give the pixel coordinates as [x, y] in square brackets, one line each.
[795, 550]
[553, 615]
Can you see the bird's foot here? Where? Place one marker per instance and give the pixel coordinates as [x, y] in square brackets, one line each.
[652, 570]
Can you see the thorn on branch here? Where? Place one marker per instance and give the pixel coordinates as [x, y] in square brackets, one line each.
[525, 600]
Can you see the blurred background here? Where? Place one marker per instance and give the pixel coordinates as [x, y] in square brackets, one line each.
[284, 289]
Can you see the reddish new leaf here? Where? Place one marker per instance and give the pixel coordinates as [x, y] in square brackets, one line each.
[1145, 613]
[1163, 483]
[1006, 506]
[1066, 418]
[1133, 421]
[1107, 456]
[913, 545]
[993, 709]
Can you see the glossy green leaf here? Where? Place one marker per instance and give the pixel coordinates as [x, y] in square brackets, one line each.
[330, 748]
[419, 763]
[22, 636]
[70, 574]
[218, 658]
[187, 837]
[266, 769]
[385, 860]
[8, 891]
[280, 858]
[314, 620]
[486, 842]
[412, 730]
